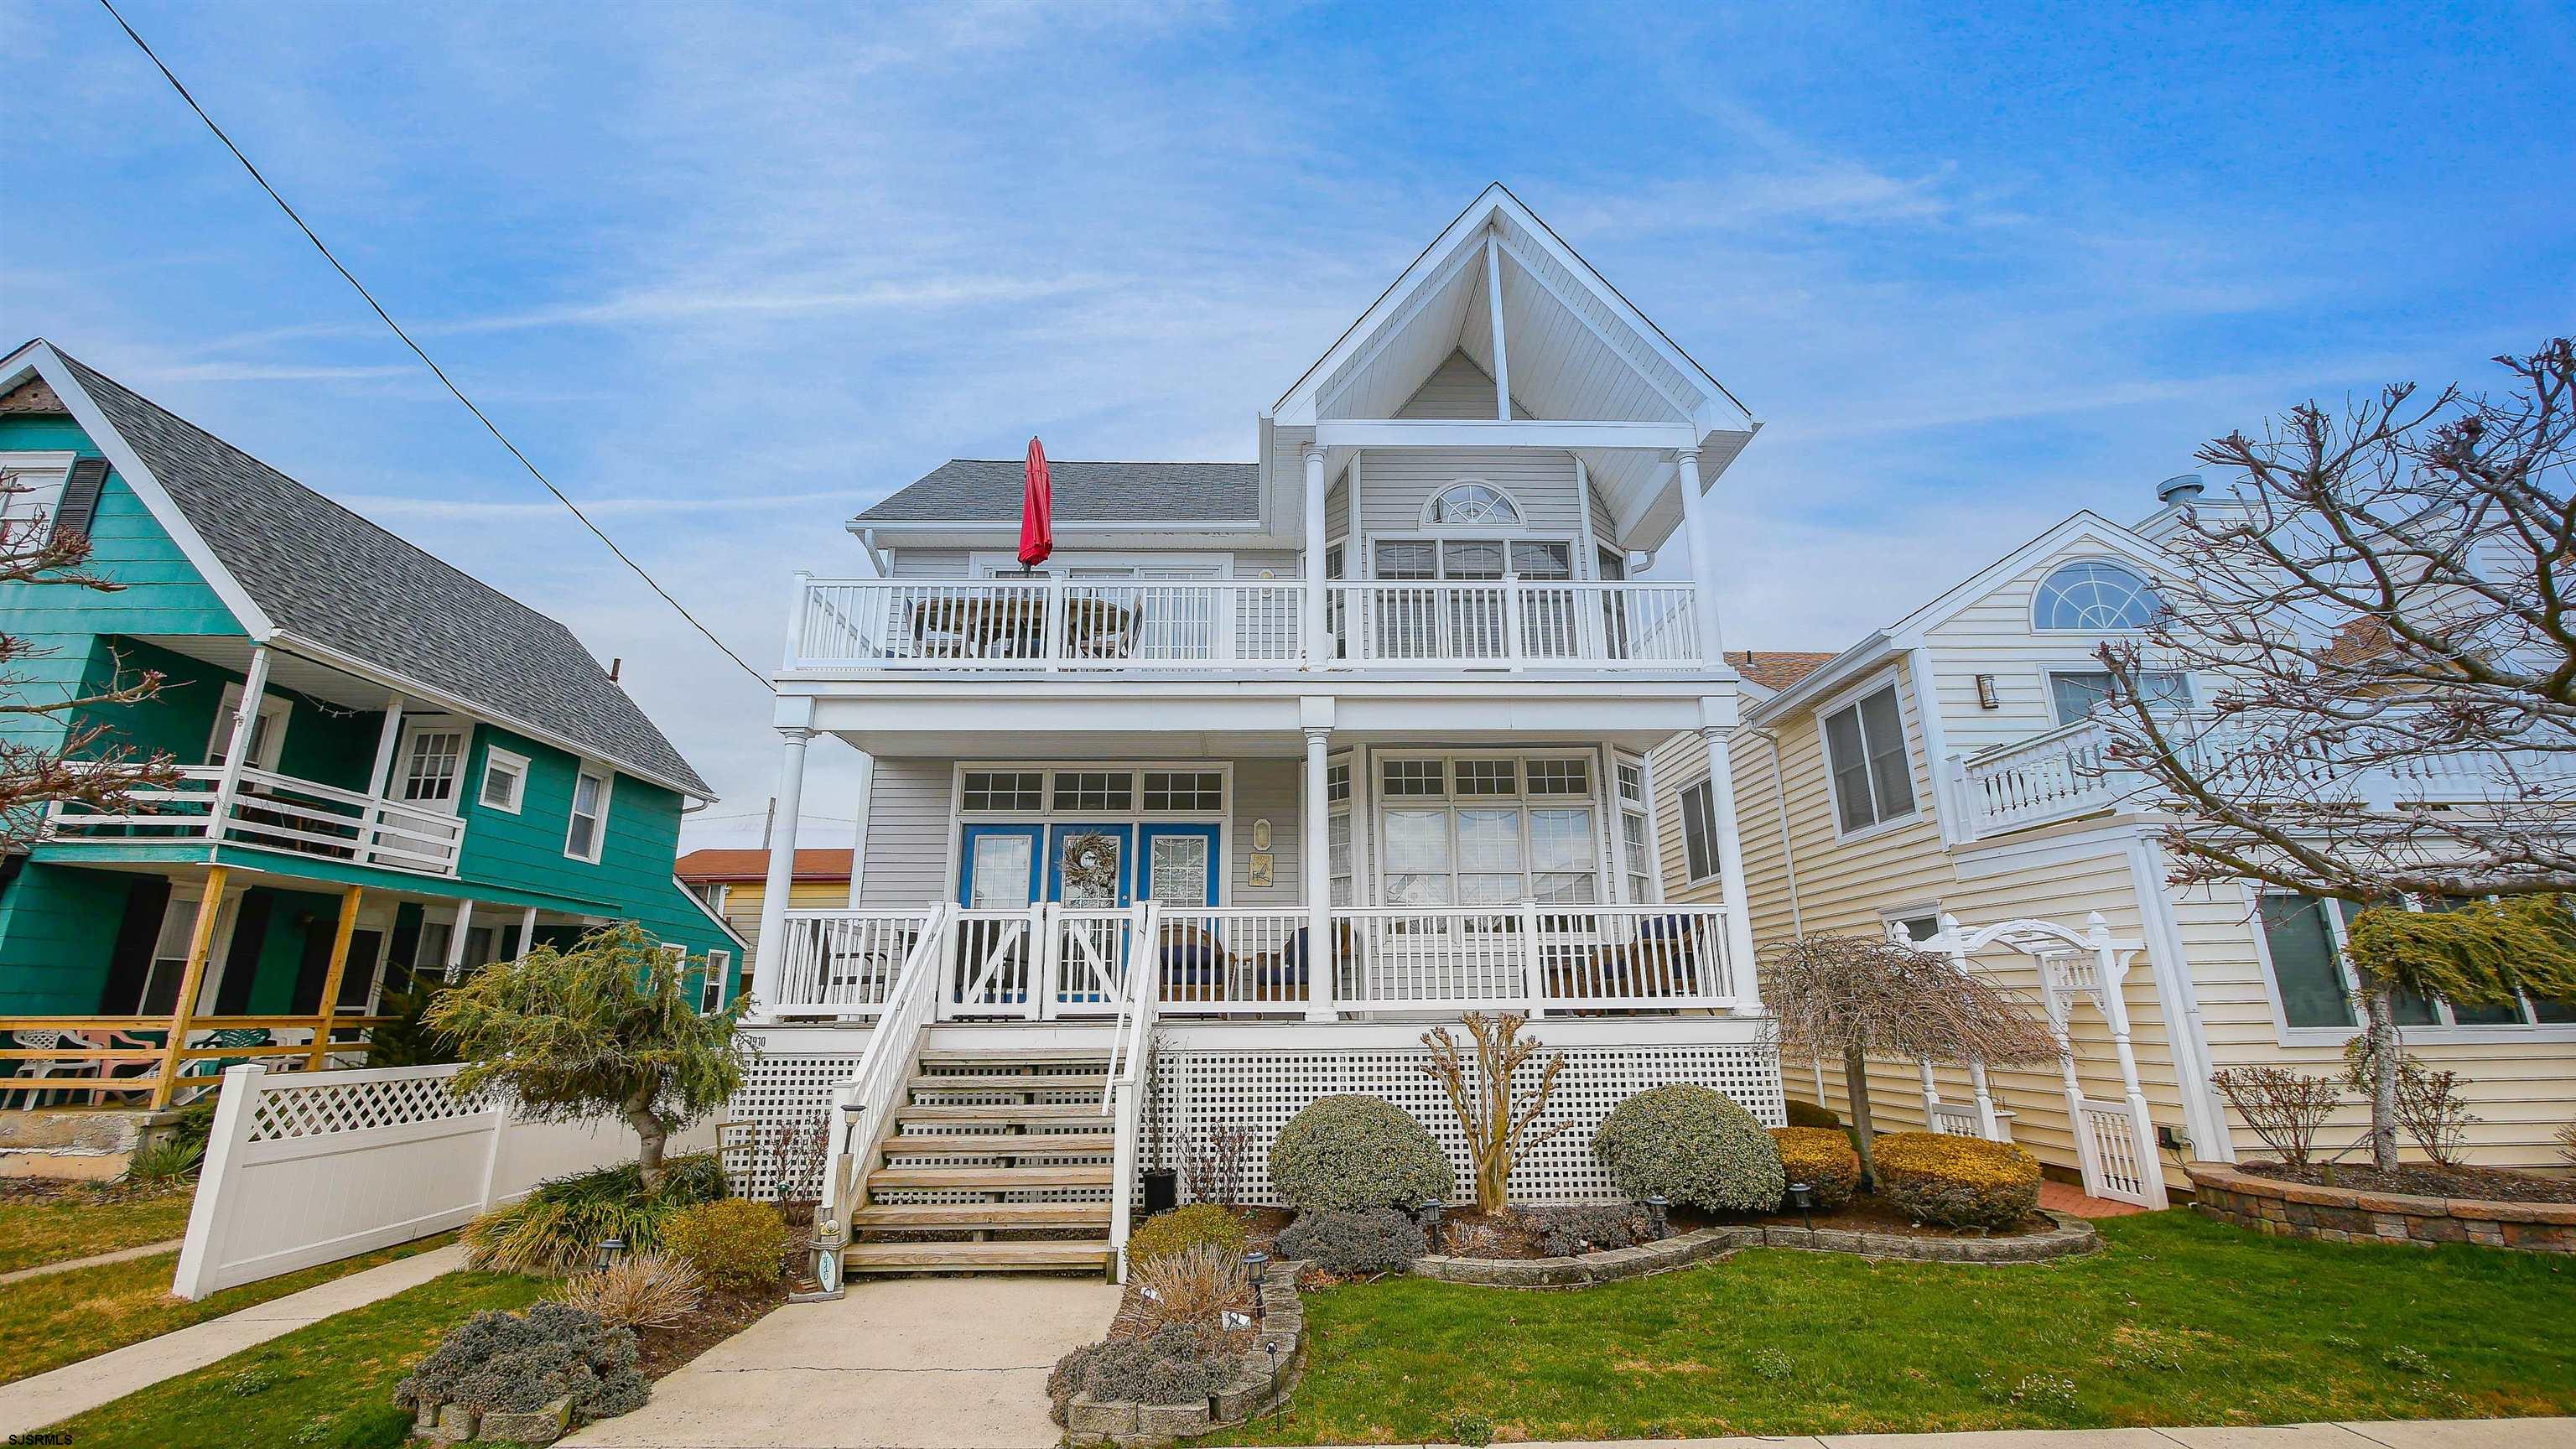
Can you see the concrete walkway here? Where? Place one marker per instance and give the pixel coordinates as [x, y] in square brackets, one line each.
[121, 1255]
[901, 1363]
[50, 1398]
[2414, 1434]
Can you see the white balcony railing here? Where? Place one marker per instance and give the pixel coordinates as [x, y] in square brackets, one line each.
[1079, 625]
[2068, 772]
[1048, 962]
[278, 812]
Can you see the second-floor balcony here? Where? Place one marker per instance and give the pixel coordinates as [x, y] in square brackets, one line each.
[274, 812]
[2069, 772]
[1136, 626]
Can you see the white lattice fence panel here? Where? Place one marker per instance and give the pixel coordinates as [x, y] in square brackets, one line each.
[787, 1090]
[1257, 1092]
[322, 1106]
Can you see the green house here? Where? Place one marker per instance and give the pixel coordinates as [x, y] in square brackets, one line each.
[431, 776]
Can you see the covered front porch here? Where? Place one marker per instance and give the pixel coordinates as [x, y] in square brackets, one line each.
[1489, 873]
[137, 979]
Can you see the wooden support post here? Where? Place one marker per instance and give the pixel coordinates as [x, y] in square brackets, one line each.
[192, 978]
[330, 1004]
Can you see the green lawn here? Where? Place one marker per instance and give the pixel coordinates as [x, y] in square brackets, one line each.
[60, 1229]
[65, 1317]
[327, 1385]
[2179, 1321]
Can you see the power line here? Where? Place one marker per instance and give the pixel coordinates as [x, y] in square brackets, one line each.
[426, 359]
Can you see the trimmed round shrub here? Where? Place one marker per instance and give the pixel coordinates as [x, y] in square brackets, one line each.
[1822, 1158]
[1183, 1228]
[1349, 1153]
[737, 1245]
[1808, 1114]
[1380, 1240]
[1694, 1145]
[1172, 1365]
[1964, 1182]
[520, 1362]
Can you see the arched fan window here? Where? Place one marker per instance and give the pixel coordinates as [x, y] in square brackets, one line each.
[2095, 597]
[1471, 502]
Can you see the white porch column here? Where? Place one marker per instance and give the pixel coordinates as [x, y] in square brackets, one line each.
[456, 939]
[1318, 651]
[1314, 865]
[1730, 848]
[770, 953]
[237, 742]
[1701, 546]
[527, 930]
[859, 840]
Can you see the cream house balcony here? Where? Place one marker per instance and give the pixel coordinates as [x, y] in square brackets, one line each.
[2068, 773]
[1059, 625]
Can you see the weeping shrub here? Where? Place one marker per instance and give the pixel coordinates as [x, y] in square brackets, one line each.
[1694, 1145]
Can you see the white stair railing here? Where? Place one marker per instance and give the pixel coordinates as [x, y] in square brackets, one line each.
[863, 1106]
[1123, 1094]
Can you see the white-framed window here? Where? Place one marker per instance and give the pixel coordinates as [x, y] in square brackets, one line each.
[1093, 792]
[1470, 501]
[2318, 998]
[1113, 791]
[587, 832]
[505, 780]
[35, 485]
[1872, 782]
[1920, 923]
[1479, 844]
[1473, 560]
[1699, 833]
[1341, 869]
[2073, 694]
[267, 732]
[1184, 790]
[2094, 596]
[433, 757]
[719, 980]
[1636, 830]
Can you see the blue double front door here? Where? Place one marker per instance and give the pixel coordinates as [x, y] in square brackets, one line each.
[1083, 866]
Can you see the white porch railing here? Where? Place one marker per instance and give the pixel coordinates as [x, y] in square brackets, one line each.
[1047, 963]
[1056, 625]
[861, 1120]
[278, 812]
[2068, 772]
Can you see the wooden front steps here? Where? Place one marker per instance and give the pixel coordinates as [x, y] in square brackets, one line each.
[974, 1186]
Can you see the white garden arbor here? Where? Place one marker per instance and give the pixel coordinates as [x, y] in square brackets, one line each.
[2114, 1140]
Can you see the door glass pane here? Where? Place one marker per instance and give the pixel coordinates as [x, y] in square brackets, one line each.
[1177, 870]
[1001, 877]
[2303, 962]
[1090, 864]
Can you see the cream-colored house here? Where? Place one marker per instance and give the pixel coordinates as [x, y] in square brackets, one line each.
[1943, 767]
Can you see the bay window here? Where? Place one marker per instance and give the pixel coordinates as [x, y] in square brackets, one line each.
[1489, 830]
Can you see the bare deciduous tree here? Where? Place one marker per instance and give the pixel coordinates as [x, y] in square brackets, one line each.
[2383, 599]
[2384, 595]
[83, 763]
[1858, 997]
[1500, 1118]
[2283, 1107]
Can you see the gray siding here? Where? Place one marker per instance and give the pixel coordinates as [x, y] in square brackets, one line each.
[1459, 389]
[1394, 485]
[928, 563]
[1266, 789]
[908, 831]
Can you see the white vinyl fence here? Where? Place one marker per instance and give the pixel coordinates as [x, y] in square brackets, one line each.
[311, 1167]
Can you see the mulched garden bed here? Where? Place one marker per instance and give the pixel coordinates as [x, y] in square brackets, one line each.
[2423, 1180]
[659, 1351]
[1863, 1214]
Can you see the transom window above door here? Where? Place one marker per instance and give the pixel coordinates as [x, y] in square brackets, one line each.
[1470, 502]
[1091, 791]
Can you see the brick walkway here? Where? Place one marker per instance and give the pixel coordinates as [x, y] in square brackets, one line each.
[2067, 1198]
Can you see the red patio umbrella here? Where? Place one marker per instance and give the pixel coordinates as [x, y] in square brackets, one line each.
[1037, 511]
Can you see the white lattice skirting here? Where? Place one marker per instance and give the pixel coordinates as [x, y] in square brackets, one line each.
[1196, 1091]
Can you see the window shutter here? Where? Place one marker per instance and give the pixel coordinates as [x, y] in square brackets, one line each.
[79, 506]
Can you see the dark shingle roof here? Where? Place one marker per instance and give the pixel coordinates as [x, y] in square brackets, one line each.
[987, 490]
[322, 572]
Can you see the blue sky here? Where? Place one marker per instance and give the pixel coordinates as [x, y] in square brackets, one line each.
[733, 273]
